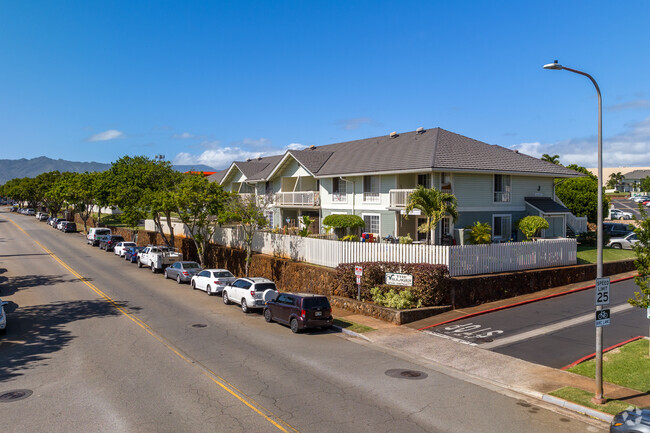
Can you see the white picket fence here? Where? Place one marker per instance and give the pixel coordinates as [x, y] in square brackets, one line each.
[460, 259]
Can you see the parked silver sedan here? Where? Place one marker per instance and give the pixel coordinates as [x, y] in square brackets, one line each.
[212, 280]
[182, 272]
[625, 242]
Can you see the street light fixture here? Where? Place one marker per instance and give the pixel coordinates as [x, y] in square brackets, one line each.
[598, 398]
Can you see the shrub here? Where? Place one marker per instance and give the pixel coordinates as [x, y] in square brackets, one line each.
[350, 238]
[405, 239]
[402, 299]
[531, 225]
[431, 283]
[343, 221]
[479, 233]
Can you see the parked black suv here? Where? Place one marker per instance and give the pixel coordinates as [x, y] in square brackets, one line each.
[110, 243]
[617, 230]
[299, 311]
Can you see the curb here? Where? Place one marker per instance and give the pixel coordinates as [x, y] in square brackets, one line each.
[351, 333]
[593, 355]
[517, 304]
[578, 408]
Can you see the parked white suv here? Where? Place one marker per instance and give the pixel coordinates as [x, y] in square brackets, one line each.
[250, 293]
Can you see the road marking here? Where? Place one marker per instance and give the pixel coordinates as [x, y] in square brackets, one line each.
[223, 383]
[589, 317]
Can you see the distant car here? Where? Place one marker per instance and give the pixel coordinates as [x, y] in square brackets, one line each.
[631, 421]
[131, 254]
[299, 311]
[248, 292]
[60, 224]
[55, 221]
[182, 271]
[212, 280]
[641, 198]
[30, 212]
[3, 317]
[626, 242]
[97, 234]
[616, 229]
[109, 243]
[43, 217]
[121, 247]
[69, 227]
[617, 214]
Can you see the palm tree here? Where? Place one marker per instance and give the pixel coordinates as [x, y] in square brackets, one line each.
[434, 205]
[555, 159]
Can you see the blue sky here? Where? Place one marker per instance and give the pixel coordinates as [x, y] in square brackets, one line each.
[209, 82]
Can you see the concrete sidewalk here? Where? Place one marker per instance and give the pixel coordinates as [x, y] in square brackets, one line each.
[497, 369]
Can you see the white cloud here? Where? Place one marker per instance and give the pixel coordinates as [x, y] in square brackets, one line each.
[295, 146]
[183, 136]
[638, 103]
[631, 148]
[354, 123]
[256, 143]
[111, 134]
[217, 157]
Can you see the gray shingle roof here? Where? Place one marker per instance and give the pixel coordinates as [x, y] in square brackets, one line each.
[546, 204]
[637, 174]
[218, 176]
[434, 149]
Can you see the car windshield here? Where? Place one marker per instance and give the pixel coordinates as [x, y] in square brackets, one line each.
[191, 265]
[317, 301]
[102, 232]
[260, 287]
[225, 274]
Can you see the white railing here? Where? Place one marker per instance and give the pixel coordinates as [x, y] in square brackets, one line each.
[297, 198]
[339, 197]
[460, 259]
[577, 224]
[399, 197]
[371, 197]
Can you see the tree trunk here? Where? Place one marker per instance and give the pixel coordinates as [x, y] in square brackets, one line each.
[170, 226]
[156, 220]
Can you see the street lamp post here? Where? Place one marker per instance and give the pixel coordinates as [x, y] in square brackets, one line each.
[598, 397]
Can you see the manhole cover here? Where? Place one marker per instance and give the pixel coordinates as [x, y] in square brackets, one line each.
[15, 395]
[199, 325]
[406, 374]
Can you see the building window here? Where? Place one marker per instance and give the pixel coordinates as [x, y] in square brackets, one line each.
[424, 180]
[269, 217]
[268, 187]
[445, 182]
[371, 189]
[501, 188]
[339, 190]
[372, 223]
[501, 227]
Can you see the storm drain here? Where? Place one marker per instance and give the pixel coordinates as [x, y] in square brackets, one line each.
[199, 325]
[15, 395]
[406, 374]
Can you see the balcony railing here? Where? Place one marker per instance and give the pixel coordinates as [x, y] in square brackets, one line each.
[339, 197]
[399, 198]
[297, 198]
[371, 197]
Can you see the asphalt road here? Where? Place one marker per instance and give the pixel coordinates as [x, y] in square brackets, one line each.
[553, 332]
[105, 346]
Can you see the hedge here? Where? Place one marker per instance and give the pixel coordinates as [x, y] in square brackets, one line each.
[431, 283]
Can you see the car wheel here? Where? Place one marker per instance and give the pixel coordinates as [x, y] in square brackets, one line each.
[267, 315]
[153, 268]
[225, 298]
[193, 284]
[208, 290]
[244, 306]
[294, 326]
[178, 279]
[166, 276]
[617, 246]
[139, 263]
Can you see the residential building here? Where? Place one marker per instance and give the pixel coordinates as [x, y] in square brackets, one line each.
[373, 178]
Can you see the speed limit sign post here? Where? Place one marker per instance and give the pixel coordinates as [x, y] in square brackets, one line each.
[602, 291]
[358, 272]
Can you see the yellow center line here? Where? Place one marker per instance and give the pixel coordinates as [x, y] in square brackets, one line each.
[224, 384]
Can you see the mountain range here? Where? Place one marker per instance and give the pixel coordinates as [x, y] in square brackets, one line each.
[11, 168]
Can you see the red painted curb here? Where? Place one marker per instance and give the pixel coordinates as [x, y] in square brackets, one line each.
[585, 358]
[517, 304]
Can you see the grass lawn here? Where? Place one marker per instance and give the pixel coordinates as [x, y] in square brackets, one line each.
[588, 254]
[628, 365]
[584, 398]
[354, 327]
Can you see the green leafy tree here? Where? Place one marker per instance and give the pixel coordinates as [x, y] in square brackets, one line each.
[580, 194]
[305, 222]
[434, 205]
[479, 233]
[79, 191]
[641, 299]
[101, 189]
[160, 197]
[343, 221]
[555, 159]
[249, 213]
[51, 190]
[200, 206]
[531, 225]
[614, 179]
[645, 184]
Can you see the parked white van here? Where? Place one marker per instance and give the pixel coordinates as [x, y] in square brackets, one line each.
[96, 235]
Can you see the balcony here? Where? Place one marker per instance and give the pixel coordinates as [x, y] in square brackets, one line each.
[399, 198]
[298, 198]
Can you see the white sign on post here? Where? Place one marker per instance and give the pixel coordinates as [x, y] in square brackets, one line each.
[602, 291]
[399, 279]
[358, 271]
[648, 311]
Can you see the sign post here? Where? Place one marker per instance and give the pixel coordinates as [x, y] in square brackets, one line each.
[602, 318]
[358, 272]
[602, 291]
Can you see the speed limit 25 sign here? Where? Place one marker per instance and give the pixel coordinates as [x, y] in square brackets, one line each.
[602, 291]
